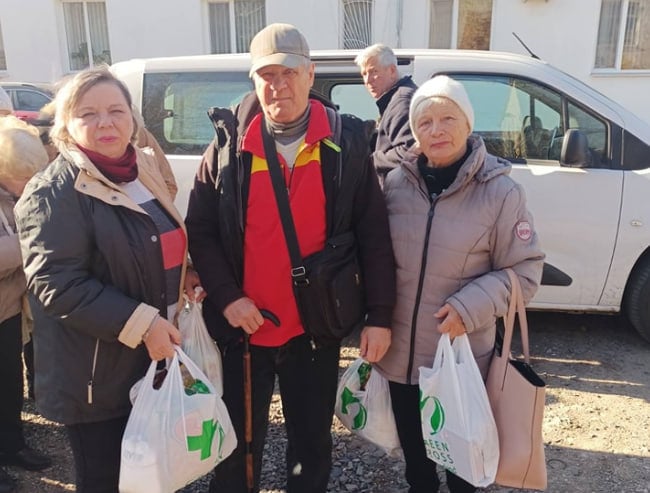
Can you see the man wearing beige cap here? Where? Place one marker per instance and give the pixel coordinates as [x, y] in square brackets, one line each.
[239, 248]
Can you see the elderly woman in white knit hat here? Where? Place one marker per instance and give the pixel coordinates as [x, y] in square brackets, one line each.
[457, 221]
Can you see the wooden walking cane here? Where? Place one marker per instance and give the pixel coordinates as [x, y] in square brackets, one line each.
[248, 401]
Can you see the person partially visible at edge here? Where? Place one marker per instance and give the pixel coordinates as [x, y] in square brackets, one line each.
[21, 156]
[378, 65]
[6, 108]
[457, 220]
[239, 250]
[104, 252]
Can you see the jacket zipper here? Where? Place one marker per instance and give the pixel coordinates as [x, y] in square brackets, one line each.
[92, 375]
[418, 295]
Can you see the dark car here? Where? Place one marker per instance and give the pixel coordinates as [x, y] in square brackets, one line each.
[27, 99]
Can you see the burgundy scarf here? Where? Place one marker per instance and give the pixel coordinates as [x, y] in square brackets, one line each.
[118, 170]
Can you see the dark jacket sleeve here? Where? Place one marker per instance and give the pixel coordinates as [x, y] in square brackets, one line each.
[370, 222]
[205, 243]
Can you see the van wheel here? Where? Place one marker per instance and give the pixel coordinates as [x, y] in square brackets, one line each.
[636, 304]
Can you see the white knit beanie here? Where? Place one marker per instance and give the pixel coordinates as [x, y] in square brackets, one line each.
[444, 87]
[5, 102]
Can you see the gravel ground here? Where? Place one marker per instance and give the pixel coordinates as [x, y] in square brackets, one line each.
[596, 423]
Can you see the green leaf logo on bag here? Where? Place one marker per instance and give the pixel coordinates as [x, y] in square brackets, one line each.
[437, 418]
[348, 399]
[203, 442]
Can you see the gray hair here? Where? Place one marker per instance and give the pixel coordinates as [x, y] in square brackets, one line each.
[382, 53]
[69, 95]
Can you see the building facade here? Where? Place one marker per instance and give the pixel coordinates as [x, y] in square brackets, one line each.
[605, 43]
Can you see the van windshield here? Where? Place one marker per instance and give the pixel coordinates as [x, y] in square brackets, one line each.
[175, 106]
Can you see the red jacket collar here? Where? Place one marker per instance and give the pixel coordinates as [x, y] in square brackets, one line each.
[317, 129]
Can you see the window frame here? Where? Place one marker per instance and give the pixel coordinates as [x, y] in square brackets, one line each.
[88, 36]
[620, 44]
[232, 27]
[455, 22]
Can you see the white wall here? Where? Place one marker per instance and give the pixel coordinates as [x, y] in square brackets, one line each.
[153, 28]
[562, 32]
[31, 47]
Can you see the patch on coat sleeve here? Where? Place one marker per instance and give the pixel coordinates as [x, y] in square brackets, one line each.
[523, 230]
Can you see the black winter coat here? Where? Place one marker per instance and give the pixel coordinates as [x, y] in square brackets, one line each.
[217, 210]
[94, 268]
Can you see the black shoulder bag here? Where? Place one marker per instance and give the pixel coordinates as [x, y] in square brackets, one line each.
[327, 285]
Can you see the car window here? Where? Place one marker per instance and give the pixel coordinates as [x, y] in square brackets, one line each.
[354, 99]
[175, 106]
[521, 119]
[27, 100]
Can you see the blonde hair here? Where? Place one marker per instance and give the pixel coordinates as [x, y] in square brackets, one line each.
[69, 95]
[21, 152]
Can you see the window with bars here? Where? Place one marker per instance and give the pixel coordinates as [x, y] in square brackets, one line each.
[86, 32]
[623, 35]
[233, 23]
[472, 19]
[3, 60]
[357, 23]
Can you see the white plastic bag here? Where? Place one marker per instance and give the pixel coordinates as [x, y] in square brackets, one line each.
[198, 345]
[363, 406]
[457, 423]
[174, 436]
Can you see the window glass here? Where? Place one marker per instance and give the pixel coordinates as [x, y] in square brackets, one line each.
[595, 130]
[219, 18]
[30, 100]
[3, 60]
[354, 99]
[474, 24]
[357, 26]
[440, 25]
[175, 106]
[518, 119]
[631, 51]
[248, 17]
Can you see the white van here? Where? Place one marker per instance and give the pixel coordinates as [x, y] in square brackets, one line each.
[583, 159]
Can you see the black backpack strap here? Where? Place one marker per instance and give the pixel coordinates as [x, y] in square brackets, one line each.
[298, 273]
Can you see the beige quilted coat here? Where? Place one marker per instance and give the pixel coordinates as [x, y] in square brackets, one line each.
[479, 226]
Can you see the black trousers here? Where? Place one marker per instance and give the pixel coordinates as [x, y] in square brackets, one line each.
[421, 474]
[11, 386]
[307, 382]
[96, 448]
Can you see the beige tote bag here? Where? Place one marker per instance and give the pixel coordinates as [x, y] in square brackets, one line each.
[517, 396]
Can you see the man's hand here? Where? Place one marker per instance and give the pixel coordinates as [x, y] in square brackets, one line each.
[451, 321]
[192, 286]
[243, 313]
[375, 341]
[160, 338]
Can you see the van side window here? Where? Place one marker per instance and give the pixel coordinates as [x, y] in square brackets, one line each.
[354, 99]
[175, 106]
[522, 120]
[596, 132]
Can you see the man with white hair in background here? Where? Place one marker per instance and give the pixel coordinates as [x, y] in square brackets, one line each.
[378, 65]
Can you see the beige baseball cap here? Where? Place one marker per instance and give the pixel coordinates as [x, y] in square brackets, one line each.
[278, 44]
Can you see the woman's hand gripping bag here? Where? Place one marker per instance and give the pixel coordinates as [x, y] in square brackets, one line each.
[198, 345]
[457, 423]
[363, 406]
[175, 433]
